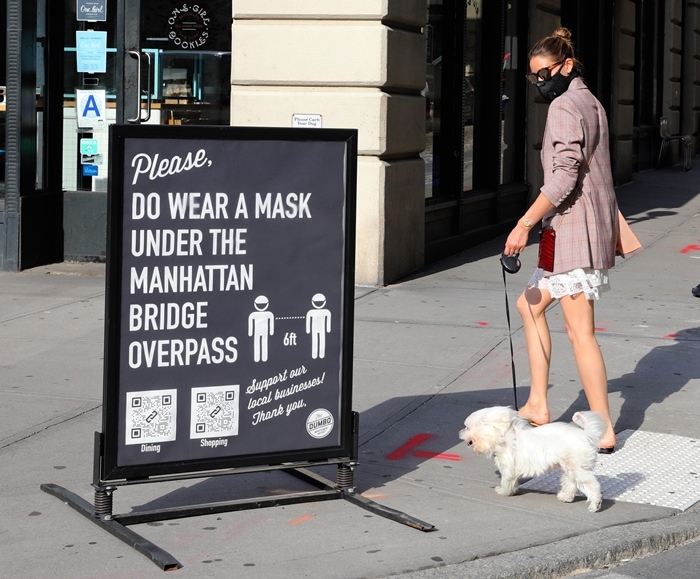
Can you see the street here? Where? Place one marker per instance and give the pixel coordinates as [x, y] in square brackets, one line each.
[677, 563]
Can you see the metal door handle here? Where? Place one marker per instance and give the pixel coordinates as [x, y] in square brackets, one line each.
[139, 118]
[148, 89]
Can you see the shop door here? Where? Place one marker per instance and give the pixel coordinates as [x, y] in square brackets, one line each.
[176, 62]
[133, 62]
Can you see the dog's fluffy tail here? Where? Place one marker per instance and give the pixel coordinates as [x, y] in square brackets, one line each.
[592, 423]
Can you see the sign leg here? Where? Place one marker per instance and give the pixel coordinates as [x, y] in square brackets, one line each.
[160, 557]
[387, 512]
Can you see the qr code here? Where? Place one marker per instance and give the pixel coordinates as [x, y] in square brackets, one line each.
[151, 416]
[214, 411]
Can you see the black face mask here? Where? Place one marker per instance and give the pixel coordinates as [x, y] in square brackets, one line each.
[555, 86]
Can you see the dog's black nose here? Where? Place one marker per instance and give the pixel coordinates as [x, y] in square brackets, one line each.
[469, 443]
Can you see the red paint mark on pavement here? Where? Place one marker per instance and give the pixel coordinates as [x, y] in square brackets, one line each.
[415, 441]
[482, 324]
[301, 520]
[600, 329]
[440, 455]
[670, 336]
[690, 248]
[410, 445]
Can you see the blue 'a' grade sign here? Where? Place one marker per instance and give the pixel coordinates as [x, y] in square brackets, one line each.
[229, 298]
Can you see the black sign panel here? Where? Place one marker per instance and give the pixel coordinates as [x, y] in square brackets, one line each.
[229, 298]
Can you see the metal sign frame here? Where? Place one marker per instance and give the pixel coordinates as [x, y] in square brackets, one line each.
[111, 468]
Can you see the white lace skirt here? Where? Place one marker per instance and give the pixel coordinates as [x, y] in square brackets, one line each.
[590, 282]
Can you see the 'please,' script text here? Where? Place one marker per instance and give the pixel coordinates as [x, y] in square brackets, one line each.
[155, 167]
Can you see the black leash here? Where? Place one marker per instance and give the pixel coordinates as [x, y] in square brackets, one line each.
[510, 264]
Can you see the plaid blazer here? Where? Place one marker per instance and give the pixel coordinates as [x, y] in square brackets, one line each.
[578, 181]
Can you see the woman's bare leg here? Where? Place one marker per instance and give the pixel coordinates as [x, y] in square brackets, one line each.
[579, 316]
[532, 305]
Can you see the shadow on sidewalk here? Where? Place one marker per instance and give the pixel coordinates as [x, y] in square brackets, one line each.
[653, 190]
[430, 426]
[403, 434]
[662, 372]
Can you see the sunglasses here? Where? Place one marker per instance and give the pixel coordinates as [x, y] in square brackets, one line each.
[543, 74]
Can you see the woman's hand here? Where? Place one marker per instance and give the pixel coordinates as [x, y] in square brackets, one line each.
[517, 239]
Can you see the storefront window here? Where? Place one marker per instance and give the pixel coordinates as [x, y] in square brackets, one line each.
[85, 131]
[191, 51]
[472, 39]
[188, 72]
[40, 95]
[3, 97]
[433, 96]
[509, 80]
[450, 92]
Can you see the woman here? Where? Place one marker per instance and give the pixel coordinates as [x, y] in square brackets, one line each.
[578, 201]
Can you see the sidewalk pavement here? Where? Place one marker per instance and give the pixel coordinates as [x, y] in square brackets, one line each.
[428, 351]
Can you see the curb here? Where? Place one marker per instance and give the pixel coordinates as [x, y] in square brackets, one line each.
[593, 551]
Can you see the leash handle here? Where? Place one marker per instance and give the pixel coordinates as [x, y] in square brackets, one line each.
[510, 339]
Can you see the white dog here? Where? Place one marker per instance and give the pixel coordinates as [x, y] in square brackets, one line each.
[521, 450]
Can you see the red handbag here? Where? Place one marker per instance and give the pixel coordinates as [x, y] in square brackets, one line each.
[546, 248]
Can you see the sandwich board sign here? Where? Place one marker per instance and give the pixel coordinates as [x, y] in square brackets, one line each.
[229, 318]
[230, 298]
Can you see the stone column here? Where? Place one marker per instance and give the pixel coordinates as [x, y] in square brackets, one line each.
[357, 64]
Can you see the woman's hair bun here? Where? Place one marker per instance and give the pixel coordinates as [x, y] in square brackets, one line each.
[563, 33]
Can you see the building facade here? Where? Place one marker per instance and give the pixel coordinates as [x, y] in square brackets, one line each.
[449, 130]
